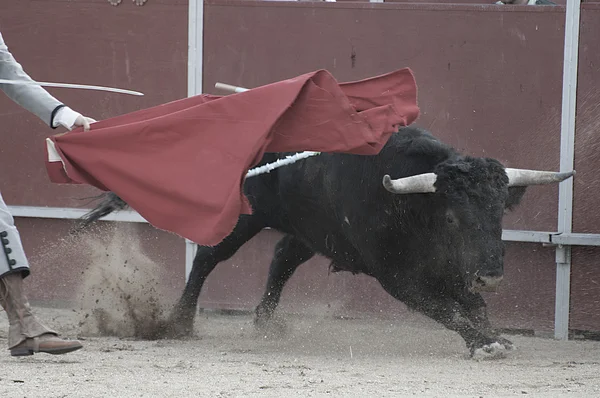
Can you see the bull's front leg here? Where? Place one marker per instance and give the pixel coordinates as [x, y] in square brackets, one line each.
[450, 313]
[476, 310]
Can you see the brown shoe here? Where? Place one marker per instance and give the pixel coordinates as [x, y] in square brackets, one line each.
[47, 343]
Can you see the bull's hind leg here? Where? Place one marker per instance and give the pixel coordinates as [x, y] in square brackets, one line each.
[289, 254]
[181, 321]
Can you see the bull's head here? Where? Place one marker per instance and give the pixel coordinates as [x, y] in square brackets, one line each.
[470, 196]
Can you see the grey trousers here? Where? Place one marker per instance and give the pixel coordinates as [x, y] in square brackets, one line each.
[13, 268]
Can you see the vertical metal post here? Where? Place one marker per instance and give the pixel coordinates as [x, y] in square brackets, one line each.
[195, 81]
[567, 155]
[195, 46]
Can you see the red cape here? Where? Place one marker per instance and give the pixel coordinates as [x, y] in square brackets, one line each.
[182, 165]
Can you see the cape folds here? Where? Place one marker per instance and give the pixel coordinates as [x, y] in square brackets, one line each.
[182, 165]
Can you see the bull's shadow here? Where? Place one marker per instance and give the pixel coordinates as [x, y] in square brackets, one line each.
[422, 219]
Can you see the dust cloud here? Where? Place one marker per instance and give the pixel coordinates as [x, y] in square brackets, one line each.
[120, 293]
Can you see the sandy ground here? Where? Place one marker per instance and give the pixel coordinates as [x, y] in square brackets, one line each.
[316, 357]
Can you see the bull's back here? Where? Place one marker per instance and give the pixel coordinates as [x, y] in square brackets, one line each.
[335, 197]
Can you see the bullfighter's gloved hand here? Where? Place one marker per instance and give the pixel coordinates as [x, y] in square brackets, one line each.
[68, 118]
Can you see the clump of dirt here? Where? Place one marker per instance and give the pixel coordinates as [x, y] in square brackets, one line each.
[120, 294]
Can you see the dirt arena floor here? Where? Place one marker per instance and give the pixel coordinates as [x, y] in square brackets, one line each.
[317, 357]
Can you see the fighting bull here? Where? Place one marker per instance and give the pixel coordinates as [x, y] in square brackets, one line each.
[422, 219]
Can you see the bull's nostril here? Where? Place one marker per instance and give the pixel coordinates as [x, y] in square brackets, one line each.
[486, 283]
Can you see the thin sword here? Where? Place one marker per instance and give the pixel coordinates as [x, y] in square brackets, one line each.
[69, 85]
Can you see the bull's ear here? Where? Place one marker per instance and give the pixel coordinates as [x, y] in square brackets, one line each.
[515, 194]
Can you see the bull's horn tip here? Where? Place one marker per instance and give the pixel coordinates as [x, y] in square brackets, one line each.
[387, 181]
[564, 175]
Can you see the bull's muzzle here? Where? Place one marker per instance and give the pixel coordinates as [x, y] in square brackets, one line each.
[486, 283]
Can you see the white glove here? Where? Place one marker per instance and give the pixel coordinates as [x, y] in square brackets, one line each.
[68, 118]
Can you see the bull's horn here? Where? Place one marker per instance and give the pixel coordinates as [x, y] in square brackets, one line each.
[522, 178]
[421, 183]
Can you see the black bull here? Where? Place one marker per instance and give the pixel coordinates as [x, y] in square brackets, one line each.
[420, 218]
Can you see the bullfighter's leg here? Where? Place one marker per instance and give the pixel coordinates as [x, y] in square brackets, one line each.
[289, 254]
[448, 312]
[26, 334]
[181, 321]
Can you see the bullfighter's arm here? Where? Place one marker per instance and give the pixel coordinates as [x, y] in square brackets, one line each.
[35, 98]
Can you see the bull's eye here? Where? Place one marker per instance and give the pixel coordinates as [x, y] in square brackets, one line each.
[451, 219]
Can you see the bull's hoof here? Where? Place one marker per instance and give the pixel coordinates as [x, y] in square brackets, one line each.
[180, 327]
[270, 327]
[509, 344]
[496, 350]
